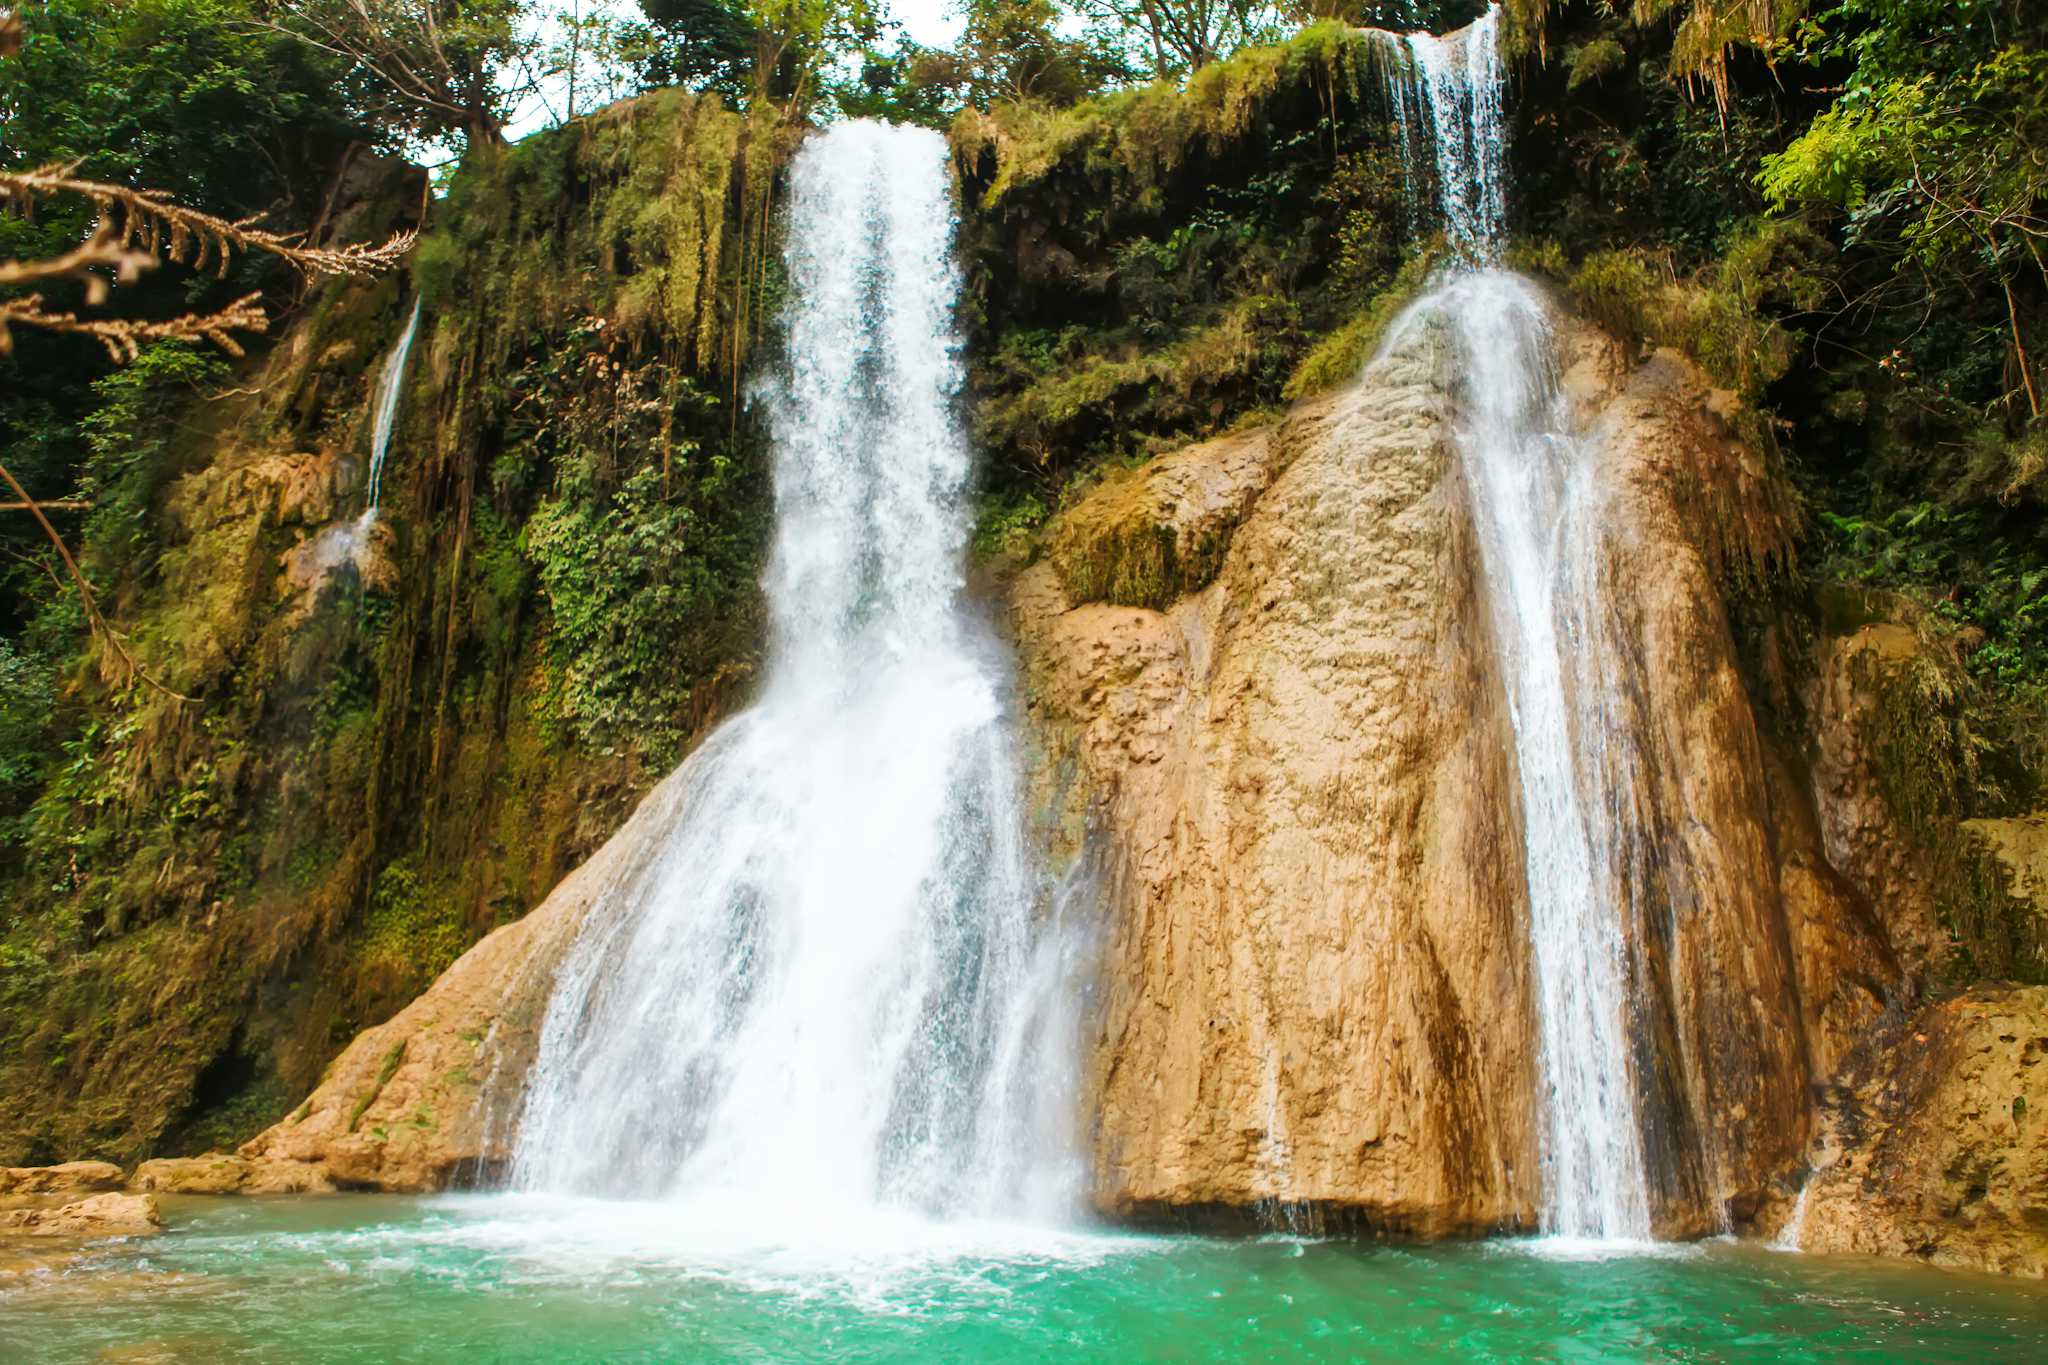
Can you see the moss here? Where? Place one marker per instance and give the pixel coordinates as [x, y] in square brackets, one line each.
[385, 1071]
[1148, 133]
[1340, 357]
[1930, 730]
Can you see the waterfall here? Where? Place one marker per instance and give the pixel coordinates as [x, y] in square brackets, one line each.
[1531, 482]
[390, 386]
[835, 984]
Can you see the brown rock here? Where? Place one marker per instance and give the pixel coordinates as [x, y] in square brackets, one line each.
[432, 1095]
[1862, 835]
[72, 1177]
[1297, 781]
[1944, 1141]
[1149, 536]
[1298, 786]
[101, 1215]
[2020, 844]
[214, 1173]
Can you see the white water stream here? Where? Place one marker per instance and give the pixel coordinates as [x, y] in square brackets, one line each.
[1532, 487]
[390, 386]
[835, 991]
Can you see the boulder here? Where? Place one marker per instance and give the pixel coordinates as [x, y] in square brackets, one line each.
[72, 1177]
[214, 1173]
[1939, 1147]
[101, 1215]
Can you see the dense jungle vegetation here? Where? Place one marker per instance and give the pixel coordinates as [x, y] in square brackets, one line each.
[258, 807]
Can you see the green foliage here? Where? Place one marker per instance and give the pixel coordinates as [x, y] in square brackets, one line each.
[134, 440]
[1340, 356]
[408, 929]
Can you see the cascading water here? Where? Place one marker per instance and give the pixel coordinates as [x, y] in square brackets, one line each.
[1531, 480]
[834, 984]
[390, 386]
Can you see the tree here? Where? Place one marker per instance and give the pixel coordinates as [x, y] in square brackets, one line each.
[1184, 35]
[427, 68]
[1014, 50]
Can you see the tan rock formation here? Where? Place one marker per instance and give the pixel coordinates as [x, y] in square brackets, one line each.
[1300, 787]
[2020, 844]
[431, 1096]
[1310, 851]
[1148, 536]
[1862, 835]
[100, 1215]
[1944, 1143]
[214, 1173]
[72, 1177]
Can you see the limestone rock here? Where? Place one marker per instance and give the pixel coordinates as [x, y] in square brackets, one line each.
[72, 1177]
[1944, 1141]
[1863, 836]
[431, 1096]
[1296, 787]
[1146, 537]
[214, 1173]
[101, 1215]
[2020, 844]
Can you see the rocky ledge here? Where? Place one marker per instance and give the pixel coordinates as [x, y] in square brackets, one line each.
[1943, 1142]
[99, 1215]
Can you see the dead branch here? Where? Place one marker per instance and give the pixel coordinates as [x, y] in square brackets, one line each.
[150, 222]
[92, 609]
[124, 338]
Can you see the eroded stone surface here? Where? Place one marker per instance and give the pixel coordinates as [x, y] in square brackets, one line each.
[1940, 1150]
[100, 1215]
[1301, 790]
[72, 1177]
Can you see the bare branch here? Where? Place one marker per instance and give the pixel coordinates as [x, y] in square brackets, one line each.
[124, 338]
[149, 221]
[92, 609]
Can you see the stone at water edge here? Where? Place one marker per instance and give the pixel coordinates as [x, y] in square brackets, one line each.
[1945, 1141]
[71, 1177]
[214, 1173]
[101, 1215]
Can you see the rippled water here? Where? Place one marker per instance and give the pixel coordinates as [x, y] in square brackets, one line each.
[523, 1278]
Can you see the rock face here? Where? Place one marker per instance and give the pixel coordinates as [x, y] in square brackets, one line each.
[1297, 787]
[430, 1097]
[1944, 1147]
[1308, 848]
[102, 1215]
[73, 1177]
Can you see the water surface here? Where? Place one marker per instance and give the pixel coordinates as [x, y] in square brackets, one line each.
[522, 1278]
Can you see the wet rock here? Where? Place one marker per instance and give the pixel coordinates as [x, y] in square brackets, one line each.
[1943, 1140]
[72, 1177]
[431, 1096]
[101, 1215]
[1298, 785]
[1299, 794]
[214, 1173]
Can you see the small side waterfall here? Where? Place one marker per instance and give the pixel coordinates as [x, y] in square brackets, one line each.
[1530, 478]
[836, 984]
[390, 387]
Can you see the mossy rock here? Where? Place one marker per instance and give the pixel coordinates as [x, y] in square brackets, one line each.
[1158, 533]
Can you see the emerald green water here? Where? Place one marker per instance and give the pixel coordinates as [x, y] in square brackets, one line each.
[489, 1278]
